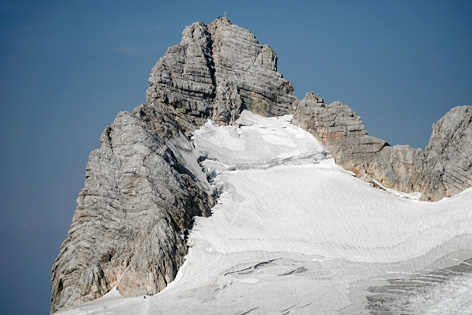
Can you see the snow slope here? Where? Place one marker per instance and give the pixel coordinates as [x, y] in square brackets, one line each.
[295, 233]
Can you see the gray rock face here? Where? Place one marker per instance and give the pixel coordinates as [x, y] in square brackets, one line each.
[143, 185]
[443, 170]
[448, 169]
[125, 231]
[398, 167]
[339, 128]
[215, 72]
[184, 80]
[248, 69]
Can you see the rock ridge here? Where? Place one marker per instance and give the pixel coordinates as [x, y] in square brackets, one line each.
[144, 184]
[127, 231]
[215, 72]
[443, 170]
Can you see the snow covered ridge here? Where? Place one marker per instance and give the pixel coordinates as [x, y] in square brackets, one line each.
[293, 232]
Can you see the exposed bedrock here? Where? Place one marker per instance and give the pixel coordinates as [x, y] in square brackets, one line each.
[339, 128]
[448, 164]
[215, 72]
[143, 185]
[137, 200]
[443, 170]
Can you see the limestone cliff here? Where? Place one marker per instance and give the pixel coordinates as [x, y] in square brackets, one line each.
[138, 197]
[215, 72]
[444, 169]
[448, 163]
[144, 185]
[339, 128]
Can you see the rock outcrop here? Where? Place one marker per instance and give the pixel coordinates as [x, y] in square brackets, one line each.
[143, 185]
[137, 200]
[339, 128]
[448, 164]
[443, 170]
[399, 167]
[215, 72]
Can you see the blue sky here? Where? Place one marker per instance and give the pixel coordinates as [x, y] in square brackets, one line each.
[68, 67]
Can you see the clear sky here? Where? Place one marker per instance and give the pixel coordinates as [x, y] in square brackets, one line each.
[68, 67]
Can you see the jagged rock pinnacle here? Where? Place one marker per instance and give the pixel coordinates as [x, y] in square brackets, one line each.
[215, 72]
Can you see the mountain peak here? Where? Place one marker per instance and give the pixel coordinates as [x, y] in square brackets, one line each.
[154, 173]
[215, 72]
[220, 21]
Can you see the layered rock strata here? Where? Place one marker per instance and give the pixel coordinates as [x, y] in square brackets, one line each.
[137, 201]
[339, 128]
[443, 170]
[448, 162]
[144, 185]
[215, 72]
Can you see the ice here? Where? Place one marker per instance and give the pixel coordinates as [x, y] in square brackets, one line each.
[294, 232]
[258, 142]
[411, 196]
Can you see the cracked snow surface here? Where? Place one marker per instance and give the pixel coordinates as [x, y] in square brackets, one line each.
[294, 233]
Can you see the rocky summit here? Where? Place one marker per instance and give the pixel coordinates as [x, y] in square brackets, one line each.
[144, 186]
[146, 183]
[215, 72]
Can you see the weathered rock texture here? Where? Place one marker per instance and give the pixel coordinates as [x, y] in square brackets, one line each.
[215, 72]
[125, 230]
[143, 185]
[338, 127]
[399, 167]
[448, 164]
[443, 170]
[140, 191]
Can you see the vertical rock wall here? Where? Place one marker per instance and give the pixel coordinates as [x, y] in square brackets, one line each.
[448, 165]
[137, 200]
[215, 72]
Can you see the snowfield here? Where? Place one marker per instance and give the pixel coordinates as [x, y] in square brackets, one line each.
[295, 233]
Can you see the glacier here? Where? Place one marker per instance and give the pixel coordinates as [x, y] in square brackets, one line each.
[293, 232]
